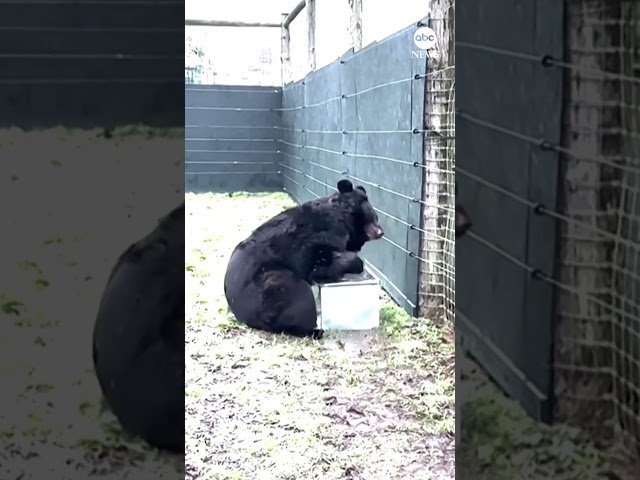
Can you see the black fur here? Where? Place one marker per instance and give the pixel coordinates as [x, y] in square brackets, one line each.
[268, 278]
[138, 337]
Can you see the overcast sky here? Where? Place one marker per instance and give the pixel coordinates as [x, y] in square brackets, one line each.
[266, 11]
[236, 49]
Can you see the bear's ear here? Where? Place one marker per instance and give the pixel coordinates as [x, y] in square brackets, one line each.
[361, 188]
[345, 186]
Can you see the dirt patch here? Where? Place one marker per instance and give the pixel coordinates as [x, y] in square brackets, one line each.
[355, 343]
[362, 405]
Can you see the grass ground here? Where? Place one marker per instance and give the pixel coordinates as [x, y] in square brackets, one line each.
[266, 407]
[81, 205]
[500, 442]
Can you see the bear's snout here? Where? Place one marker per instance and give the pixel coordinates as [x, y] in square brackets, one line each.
[374, 232]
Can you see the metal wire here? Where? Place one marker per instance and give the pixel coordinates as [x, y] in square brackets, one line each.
[231, 139]
[358, 155]
[324, 102]
[540, 209]
[75, 43]
[88, 56]
[231, 173]
[191, 88]
[89, 81]
[80, 29]
[260, 152]
[546, 145]
[301, 130]
[548, 60]
[230, 163]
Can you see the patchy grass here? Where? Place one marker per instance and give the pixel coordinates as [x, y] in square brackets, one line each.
[266, 407]
[501, 442]
[81, 205]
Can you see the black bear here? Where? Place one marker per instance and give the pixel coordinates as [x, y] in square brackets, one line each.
[138, 337]
[269, 275]
[463, 222]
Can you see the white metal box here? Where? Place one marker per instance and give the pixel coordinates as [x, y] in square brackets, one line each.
[353, 303]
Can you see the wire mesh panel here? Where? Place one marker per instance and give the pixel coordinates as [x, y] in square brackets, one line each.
[437, 270]
[69, 62]
[361, 118]
[598, 331]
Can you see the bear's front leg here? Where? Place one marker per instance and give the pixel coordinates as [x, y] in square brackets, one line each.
[341, 264]
[317, 251]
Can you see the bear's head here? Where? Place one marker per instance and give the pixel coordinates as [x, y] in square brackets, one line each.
[463, 222]
[364, 218]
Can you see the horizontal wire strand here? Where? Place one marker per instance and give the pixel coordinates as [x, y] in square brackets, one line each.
[544, 144]
[324, 102]
[546, 60]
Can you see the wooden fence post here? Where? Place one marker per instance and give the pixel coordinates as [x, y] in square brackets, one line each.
[356, 24]
[438, 160]
[311, 23]
[285, 54]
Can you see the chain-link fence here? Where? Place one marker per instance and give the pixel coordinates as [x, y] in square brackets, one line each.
[437, 269]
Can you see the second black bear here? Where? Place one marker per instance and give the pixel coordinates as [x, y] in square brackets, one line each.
[269, 275]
